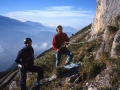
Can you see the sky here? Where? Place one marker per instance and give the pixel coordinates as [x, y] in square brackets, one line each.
[74, 13]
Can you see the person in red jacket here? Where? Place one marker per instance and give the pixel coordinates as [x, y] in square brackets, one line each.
[59, 45]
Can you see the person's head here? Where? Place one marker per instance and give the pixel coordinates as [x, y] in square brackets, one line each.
[28, 42]
[59, 28]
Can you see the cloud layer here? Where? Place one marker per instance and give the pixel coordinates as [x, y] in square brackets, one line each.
[52, 16]
[44, 45]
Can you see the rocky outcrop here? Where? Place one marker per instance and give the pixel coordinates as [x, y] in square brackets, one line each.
[107, 22]
[106, 14]
[102, 81]
[115, 51]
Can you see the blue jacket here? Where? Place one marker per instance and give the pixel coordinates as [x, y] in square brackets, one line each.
[25, 55]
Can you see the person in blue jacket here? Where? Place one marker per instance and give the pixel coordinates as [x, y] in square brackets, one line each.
[25, 61]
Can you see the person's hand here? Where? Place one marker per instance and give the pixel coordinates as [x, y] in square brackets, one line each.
[65, 43]
[57, 50]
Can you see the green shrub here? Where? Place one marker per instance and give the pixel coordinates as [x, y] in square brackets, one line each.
[112, 29]
[90, 69]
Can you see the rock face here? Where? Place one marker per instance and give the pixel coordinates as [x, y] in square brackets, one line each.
[107, 11]
[115, 51]
[107, 22]
[13, 85]
[102, 80]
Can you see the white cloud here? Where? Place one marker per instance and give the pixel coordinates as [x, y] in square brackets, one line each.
[44, 45]
[40, 46]
[58, 8]
[35, 45]
[52, 16]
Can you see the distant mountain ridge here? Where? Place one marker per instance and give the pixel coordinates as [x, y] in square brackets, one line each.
[7, 23]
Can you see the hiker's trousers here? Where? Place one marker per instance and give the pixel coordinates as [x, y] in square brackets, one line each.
[23, 75]
[58, 56]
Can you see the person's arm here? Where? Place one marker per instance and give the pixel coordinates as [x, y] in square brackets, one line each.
[54, 44]
[19, 57]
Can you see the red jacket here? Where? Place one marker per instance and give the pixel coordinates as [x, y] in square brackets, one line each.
[56, 42]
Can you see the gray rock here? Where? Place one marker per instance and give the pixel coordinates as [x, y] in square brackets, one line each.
[115, 53]
[106, 12]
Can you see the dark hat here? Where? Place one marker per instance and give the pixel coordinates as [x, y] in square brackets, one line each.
[26, 40]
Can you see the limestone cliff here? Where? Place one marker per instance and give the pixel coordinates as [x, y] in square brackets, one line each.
[107, 22]
[106, 13]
